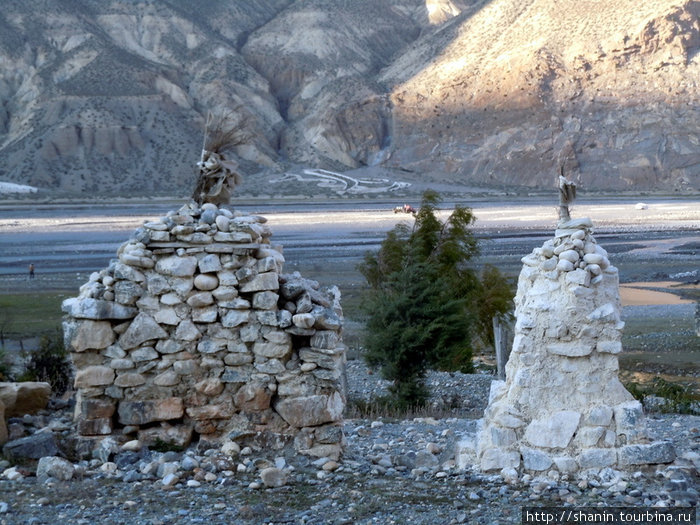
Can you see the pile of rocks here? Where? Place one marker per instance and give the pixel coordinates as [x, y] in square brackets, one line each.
[195, 330]
[562, 407]
[392, 470]
[573, 249]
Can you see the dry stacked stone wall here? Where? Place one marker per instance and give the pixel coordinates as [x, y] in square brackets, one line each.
[194, 331]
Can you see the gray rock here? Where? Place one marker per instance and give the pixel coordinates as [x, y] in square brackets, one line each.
[208, 216]
[555, 431]
[291, 288]
[535, 459]
[142, 412]
[311, 410]
[234, 318]
[188, 463]
[326, 319]
[600, 416]
[325, 339]
[127, 292]
[502, 437]
[105, 450]
[643, 454]
[597, 458]
[35, 446]
[265, 300]
[96, 309]
[143, 328]
[261, 282]
[273, 477]
[177, 266]
[497, 459]
[54, 467]
[628, 419]
[328, 434]
[425, 459]
[566, 464]
[304, 304]
[206, 282]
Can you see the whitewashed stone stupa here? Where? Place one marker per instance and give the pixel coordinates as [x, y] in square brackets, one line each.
[562, 405]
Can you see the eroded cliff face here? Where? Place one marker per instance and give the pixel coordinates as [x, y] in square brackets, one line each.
[97, 93]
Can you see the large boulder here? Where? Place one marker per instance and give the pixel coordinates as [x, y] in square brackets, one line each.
[24, 398]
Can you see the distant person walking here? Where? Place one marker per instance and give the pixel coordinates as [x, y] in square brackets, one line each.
[31, 270]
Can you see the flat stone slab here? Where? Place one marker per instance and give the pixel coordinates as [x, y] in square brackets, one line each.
[647, 454]
[97, 309]
[570, 349]
[35, 446]
[555, 431]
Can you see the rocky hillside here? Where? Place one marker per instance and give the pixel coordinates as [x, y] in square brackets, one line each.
[108, 97]
[609, 90]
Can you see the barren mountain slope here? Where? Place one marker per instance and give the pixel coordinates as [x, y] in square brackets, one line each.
[607, 89]
[320, 58]
[108, 96]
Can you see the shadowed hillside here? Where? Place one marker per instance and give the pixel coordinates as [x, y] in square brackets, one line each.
[609, 90]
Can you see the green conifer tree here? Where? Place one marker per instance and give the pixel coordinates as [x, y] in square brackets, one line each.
[426, 303]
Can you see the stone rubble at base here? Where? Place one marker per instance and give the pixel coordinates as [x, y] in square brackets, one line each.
[195, 330]
[562, 407]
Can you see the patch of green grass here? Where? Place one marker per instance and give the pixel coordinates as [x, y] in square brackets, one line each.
[386, 407]
[30, 314]
[660, 346]
[680, 397]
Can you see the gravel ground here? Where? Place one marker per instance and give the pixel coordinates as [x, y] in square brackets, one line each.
[451, 393]
[393, 471]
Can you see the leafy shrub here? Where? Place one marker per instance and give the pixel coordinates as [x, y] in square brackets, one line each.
[680, 398]
[636, 390]
[426, 304]
[166, 446]
[50, 363]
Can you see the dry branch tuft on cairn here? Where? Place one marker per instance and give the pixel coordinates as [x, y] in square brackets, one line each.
[217, 176]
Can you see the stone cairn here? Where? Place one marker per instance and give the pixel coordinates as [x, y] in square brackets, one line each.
[562, 406]
[195, 331]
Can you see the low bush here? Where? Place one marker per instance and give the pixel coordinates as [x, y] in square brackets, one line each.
[679, 398]
[5, 372]
[50, 363]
